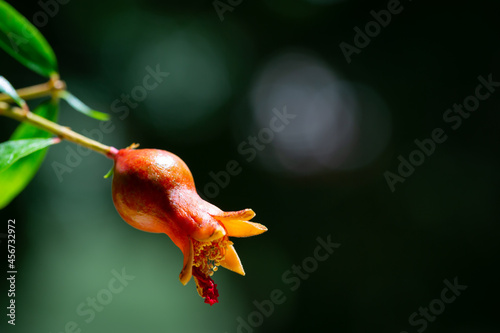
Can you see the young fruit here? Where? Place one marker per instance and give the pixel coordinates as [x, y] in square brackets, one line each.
[154, 191]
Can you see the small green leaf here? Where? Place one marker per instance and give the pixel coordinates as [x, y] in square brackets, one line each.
[15, 178]
[12, 151]
[9, 90]
[110, 173]
[20, 39]
[79, 106]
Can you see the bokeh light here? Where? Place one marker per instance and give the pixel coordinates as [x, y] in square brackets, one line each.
[338, 125]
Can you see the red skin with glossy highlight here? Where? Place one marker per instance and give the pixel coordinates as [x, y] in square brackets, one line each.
[154, 191]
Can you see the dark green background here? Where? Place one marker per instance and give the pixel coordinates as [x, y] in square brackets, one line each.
[397, 248]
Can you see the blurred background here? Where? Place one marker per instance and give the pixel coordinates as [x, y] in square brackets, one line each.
[266, 84]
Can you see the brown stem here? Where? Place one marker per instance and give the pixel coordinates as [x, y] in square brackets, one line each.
[49, 88]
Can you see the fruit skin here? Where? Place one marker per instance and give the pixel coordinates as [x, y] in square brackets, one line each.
[153, 190]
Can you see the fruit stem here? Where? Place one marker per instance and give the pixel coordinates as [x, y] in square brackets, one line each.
[62, 132]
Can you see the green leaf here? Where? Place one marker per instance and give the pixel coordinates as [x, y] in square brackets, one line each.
[20, 39]
[79, 106]
[9, 90]
[11, 151]
[15, 178]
